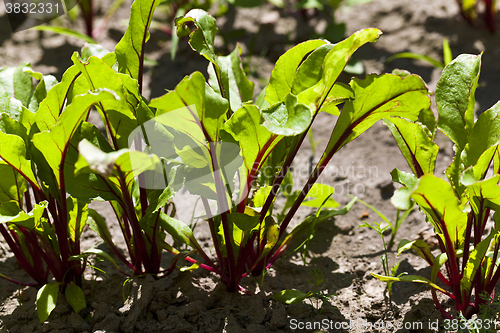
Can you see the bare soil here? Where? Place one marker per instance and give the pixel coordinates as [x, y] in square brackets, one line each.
[343, 252]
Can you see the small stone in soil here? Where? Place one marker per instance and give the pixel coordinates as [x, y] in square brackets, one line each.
[24, 296]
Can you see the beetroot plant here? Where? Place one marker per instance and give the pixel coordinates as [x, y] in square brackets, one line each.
[460, 207]
[224, 141]
[42, 224]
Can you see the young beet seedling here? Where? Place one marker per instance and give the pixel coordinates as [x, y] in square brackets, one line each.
[39, 130]
[292, 296]
[226, 144]
[460, 207]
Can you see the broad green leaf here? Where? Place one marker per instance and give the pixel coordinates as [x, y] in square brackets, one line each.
[58, 138]
[408, 278]
[75, 297]
[11, 106]
[158, 202]
[201, 122]
[404, 178]
[123, 165]
[283, 74]
[402, 198]
[454, 172]
[17, 83]
[96, 50]
[241, 227]
[420, 247]
[260, 196]
[336, 60]
[378, 97]
[310, 70]
[85, 186]
[417, 148]
[13, 152]
[240, 88]
[479, 191]
[291, 296]
[455, 97]
[427, 119]
[202, 41]
[12, 184]
[317, 195]
[255, 140]
[46, 299]
[178, 230]
[484, 135]
[120, 113]
[10, 212]
[53, 105]
[78, 214]
[439, 261]
[98, 225]
[287, 118]
[339, 93]
[131, 48]
[435, 196]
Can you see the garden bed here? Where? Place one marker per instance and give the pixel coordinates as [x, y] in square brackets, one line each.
[344, 253]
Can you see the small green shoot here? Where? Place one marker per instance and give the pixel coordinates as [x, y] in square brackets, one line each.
[447, 56]
[319, 300]
[385, 262]
[394, 227]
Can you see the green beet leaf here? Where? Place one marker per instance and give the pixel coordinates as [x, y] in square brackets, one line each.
[240, 88]
[12, 184]
[13, 152]
[378, 97]
[287, 118]
[53, 105]
[408, 278]
[179, 230]
[317, 195]
[484, 135]
[420, 247]
[283, 74]
[338, 57]
[291, 296]
[130, 49]
[310, 70]
[255, 140]
[17, 83]
[436, 197]
[198, 110]
[46, 299]
[58, 138]
[78, 214]
[455, 97]
[417, 148]
[202, 41]
[119, 167]
[75, 297]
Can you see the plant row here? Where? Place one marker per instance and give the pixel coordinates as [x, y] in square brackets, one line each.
[214, 138]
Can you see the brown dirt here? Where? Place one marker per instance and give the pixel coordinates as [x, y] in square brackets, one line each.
[345, 254]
